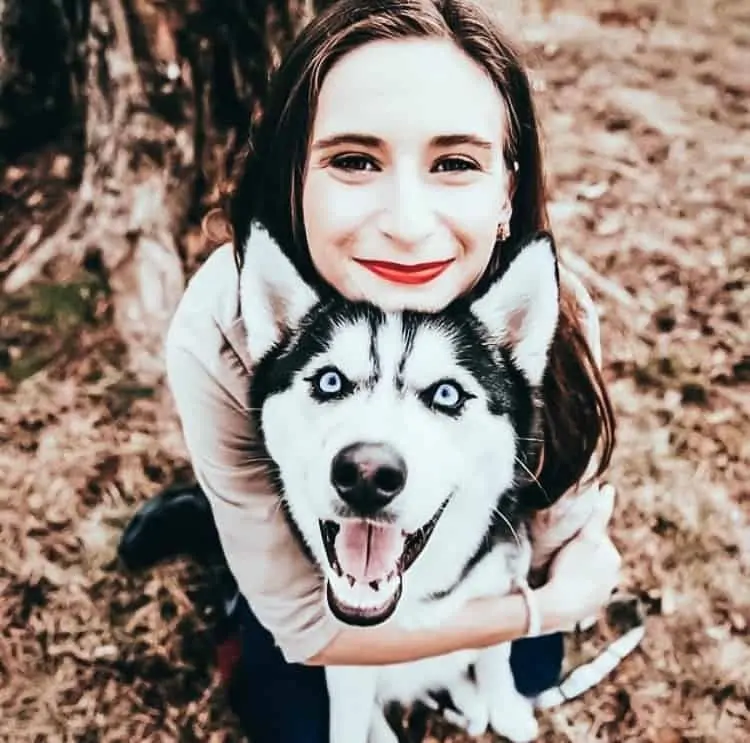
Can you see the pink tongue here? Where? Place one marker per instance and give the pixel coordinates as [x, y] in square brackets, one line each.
[368, 552]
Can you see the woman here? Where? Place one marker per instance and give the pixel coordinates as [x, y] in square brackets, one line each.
[396, 134]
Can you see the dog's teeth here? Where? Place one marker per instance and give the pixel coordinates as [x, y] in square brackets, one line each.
[352, 580]
[375, 585]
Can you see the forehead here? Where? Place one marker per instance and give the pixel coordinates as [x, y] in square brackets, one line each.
[405, 347]
[404, 88]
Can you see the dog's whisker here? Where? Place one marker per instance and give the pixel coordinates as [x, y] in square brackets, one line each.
[510, 526]
[534, 479]
[278, 507]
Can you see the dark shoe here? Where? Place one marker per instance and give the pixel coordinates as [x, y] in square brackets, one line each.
[176, 522]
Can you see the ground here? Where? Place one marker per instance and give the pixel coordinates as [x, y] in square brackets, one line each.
[646, 112]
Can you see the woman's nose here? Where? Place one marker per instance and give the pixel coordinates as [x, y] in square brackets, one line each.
[408, 215]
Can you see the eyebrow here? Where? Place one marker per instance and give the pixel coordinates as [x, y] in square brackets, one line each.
[367, 140]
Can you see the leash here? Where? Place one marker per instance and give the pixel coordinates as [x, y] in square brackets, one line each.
[576, 682]
[586, 676]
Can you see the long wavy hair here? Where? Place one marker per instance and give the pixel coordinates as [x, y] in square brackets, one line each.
[578, 417]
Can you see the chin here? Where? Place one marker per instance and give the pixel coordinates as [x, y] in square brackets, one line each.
[432, 296]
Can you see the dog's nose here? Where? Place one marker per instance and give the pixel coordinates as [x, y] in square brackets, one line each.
[368, 476]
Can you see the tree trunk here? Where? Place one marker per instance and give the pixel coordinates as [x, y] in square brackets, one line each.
[169, 88]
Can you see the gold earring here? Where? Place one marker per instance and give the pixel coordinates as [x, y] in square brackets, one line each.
[503, 231]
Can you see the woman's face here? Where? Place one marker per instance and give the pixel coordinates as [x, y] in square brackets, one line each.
[406, 183]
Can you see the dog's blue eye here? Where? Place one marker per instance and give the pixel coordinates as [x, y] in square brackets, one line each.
[447, 395]
[330, 383]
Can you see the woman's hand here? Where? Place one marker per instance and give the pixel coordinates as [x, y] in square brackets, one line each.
[584, 573]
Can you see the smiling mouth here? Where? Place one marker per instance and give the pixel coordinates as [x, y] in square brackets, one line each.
[368, 561]
[400, 273]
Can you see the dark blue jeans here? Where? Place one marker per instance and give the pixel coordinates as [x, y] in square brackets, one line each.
[280, 702]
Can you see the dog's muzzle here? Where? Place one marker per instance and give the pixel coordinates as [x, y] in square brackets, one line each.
[367, 554]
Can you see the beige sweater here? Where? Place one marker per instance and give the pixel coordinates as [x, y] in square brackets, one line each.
[208, 373]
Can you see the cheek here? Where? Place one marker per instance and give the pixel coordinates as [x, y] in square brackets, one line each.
[333, 210]
[475, 451]
[474, 215]
[475, 206]
[293, 428]
[278, 419]
[491, 456]
[299, 438]
[431, 447]
[314, 215]
[471, 457]
[328, 226]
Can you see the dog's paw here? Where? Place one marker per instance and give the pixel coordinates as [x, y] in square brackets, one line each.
[477, 721]
[515, 721]
[473, 712]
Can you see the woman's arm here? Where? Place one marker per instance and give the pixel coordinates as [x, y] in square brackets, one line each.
[208, 375]
[209, 385]
[281, 585]
[284, 589]
[478, 624]
[574, 592]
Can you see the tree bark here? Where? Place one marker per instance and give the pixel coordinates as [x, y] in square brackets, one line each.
[169, 88]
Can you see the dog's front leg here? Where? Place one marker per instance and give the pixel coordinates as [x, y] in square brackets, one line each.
[351, 690]
[511, 714]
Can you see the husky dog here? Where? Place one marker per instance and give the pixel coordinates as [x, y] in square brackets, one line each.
[399, 441]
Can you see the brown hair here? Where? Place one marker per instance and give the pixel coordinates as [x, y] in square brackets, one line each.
[578, 415]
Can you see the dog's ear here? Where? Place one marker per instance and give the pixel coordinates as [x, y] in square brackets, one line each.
[520, 308]
[273, 295]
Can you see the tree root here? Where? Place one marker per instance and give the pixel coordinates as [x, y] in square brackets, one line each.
[169, 90]
[134, 195]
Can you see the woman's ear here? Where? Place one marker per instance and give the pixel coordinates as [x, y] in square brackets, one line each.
[503, 221]
[216, 228]
[506, 209]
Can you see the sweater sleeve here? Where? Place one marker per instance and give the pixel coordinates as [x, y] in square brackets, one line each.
[283, 588]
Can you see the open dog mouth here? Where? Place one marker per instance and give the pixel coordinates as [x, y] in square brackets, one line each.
[368, 561]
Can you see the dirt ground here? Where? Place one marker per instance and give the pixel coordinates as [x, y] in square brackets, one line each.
[646, 112]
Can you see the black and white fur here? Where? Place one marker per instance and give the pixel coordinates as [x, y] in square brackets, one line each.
[464, 465]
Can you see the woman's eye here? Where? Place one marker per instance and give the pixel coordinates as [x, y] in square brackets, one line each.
[353, 163]
[455, 164]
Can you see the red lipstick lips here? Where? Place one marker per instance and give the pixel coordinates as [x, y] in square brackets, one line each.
[400, 273]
